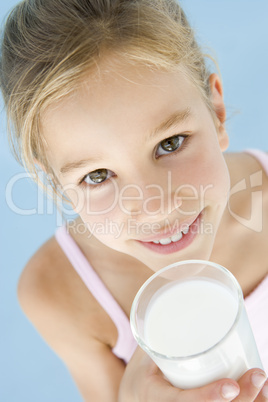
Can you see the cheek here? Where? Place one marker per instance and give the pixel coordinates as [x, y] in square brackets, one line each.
[103, 228]
[201, 179]
[216, 178]
[96, 202]
[103, 219]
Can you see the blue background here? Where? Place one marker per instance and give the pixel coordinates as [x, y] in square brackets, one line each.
[237, 31]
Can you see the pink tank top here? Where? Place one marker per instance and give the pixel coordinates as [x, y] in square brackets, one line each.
[256, 303]
[126, 343]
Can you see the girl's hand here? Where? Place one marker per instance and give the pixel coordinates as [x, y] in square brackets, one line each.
[253, 387]
[144, 382]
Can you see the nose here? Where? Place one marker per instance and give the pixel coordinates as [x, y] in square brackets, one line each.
[149, 201]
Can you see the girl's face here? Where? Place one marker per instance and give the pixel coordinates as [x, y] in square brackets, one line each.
[140, 157]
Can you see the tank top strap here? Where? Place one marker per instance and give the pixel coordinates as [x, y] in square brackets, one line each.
[261, 156]
[126, 343]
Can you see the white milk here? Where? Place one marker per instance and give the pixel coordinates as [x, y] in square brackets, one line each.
[187, 318]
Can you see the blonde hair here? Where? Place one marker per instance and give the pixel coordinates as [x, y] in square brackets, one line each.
[49, 45]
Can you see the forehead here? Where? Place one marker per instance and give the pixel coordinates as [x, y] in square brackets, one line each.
[117, 101]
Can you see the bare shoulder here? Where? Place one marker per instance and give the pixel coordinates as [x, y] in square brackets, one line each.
[48, 295]
[246, 219]
[40, 279]
[247, 176]
[242, 164]
[69, 319]
[248, 187]
[37, 275]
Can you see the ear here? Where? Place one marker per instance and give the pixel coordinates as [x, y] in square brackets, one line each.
[216, 92]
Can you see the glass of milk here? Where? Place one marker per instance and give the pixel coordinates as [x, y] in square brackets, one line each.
[190, 319]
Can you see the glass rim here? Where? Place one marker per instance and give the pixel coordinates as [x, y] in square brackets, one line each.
[153, 352]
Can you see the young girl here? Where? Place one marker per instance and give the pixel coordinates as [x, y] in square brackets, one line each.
[113, 100]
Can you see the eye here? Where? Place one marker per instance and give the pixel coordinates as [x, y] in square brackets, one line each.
[98, 176]
[170, 145]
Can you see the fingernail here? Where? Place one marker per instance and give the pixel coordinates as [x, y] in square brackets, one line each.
[258, 379]
[265, 391]
[229, 391]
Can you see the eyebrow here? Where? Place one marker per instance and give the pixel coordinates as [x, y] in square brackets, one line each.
[77, 165]
[174, 119]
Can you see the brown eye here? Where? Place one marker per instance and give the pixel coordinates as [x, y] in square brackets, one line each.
[97, 176]
[170, 144]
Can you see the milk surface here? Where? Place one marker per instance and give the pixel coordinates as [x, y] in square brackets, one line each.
[189, 317]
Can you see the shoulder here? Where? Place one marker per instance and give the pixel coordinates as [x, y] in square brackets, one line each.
[243, 164]
[71, 322]
[247, 208]
[248, 196]
[247, 176]
[40, 277]
[246, 220]
[37, 273]
[43, 288]
[55, 299]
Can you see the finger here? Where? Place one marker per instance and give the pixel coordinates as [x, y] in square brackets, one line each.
[263, 394]
[220, 391]
[159, 389]
[250, 385]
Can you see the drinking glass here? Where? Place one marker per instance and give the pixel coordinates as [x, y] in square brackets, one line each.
[191, 320]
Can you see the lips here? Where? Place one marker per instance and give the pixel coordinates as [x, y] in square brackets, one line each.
[176, 246]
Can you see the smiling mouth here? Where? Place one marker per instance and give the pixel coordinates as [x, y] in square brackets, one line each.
[178, 241]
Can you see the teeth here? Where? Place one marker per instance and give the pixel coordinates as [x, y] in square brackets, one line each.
[176, 237]
[173, 238]
[165, 241]
[186, 230]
